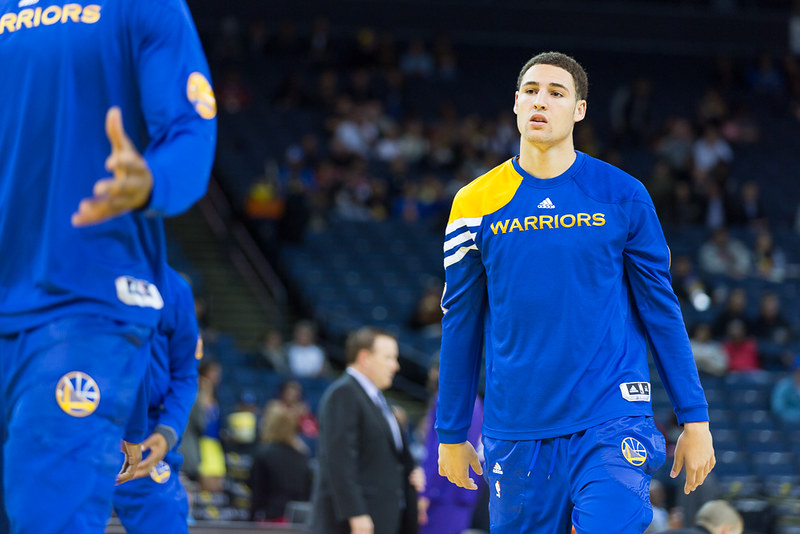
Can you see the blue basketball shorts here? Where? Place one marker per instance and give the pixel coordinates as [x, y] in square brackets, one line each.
[68, 390]
[156, 503]
[597, 480]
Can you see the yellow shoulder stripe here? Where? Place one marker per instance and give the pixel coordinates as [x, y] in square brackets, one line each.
[486, 194]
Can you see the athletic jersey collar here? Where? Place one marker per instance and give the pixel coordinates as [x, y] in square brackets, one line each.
[542, 183]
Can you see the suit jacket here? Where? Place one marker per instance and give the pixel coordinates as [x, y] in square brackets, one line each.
[360, 469]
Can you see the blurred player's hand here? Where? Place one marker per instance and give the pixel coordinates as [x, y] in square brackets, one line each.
[133, 455]
[156, 443]
[128, 189]
[423, 503]
[417, 479]
[454, 463]
[695, 450]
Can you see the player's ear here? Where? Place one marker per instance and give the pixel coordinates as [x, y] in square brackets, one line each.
[516, 98]
[580, 110]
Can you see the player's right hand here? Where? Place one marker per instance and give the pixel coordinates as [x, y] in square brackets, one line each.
[133, 455]
[455, 461]
[130, 187]
[156, 443]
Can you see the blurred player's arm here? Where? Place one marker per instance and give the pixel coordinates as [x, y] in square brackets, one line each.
[184, 349]
[179, 110]
[647, 260]
[463, 305]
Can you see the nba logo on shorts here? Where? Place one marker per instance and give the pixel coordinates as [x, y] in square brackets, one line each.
[77, 394]
[634, 451]
[497, 488]
[160, 473]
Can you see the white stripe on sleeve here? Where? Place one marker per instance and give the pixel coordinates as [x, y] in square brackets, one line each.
[463, 221]
[457, 240]
[458, 256]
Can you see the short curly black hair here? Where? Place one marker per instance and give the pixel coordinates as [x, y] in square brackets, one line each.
[557, 59]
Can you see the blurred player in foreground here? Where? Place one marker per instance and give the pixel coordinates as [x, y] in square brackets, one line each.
[560, 261]
[156, 501]
[82, 253]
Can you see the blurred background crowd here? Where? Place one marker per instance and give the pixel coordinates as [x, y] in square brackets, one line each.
[343, 138]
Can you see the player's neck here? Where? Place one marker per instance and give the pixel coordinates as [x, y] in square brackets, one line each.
[547, 161]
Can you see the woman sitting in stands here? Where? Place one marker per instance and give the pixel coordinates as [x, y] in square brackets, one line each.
[281, 471]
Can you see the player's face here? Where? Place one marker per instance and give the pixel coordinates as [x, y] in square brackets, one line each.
[382, 362]
[546, 105]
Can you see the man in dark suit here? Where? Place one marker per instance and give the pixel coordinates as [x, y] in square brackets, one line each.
[363, 484]
[714, 517]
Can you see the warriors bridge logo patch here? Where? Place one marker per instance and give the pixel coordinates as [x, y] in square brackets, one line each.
[77, 394]
[160, 473]
[634, 451]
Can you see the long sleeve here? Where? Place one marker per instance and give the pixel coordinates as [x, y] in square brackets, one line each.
[340, 440]
[183, 348]
[647, 260]
[177, 101]
[464, 305]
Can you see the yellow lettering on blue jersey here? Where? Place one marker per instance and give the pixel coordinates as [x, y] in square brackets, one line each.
[500, 225]
[7, 22]
[71, 11]
[32, 18]
[51, 15]
[571, 219]
[24, 17]
[553, 222]
[91, 14]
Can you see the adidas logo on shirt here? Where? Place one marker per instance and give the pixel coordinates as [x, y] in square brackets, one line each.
[497, 469]
[546, 204]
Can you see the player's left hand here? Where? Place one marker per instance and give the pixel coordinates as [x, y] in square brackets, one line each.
[156, 443]
[695, 450]
[133, 455]
[128, 189]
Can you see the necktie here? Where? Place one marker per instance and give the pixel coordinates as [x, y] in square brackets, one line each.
[391, 419]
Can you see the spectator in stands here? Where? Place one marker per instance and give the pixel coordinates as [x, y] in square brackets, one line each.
[742, 350]
[631, 110]
[306, 358]
[428, 312]
[765, 77]
[770, 324]
[786, 395]
[241, 429]
[677, 145]
[714, 517]
[769, 261]
[710, 150]
[446, 58]
[290, 395]
[735, 309]
[190, 444]
[281, 470]
[709, 355]
[272, 352]
[747, 209]
[687, 284]
[724, 255]
[416, 61]
[234, 95]
[685, 209]
[212, 459]
[712, 108]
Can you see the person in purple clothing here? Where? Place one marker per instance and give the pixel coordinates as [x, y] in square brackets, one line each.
[444, 508]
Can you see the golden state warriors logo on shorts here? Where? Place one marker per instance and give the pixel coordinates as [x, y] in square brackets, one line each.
[161, 472]
[634, 451]
[77, 394]
[200, 94]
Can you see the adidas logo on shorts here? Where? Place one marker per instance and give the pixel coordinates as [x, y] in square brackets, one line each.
[497, 469]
